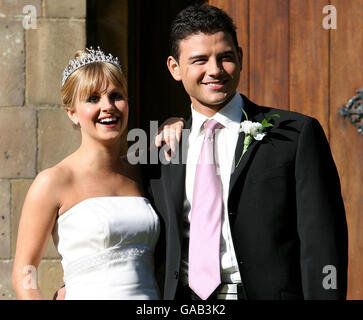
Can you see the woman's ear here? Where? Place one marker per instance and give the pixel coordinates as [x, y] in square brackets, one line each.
[174, 68]
[73, 116]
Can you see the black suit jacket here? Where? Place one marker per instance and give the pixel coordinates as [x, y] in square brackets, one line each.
[285, 208]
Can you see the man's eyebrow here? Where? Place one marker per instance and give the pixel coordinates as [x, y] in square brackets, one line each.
[201, 56]
[198, 56]
[226, 52]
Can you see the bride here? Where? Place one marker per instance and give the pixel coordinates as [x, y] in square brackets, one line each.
[92, 202]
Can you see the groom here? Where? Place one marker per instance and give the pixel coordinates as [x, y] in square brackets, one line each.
[267, 225]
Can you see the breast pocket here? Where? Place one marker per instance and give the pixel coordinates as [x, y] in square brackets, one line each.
[264, 175]
[272, 191]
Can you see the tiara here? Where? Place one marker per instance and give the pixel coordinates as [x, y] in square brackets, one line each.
[91, 57]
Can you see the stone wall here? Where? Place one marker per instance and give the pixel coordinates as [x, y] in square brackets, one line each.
[35, 132]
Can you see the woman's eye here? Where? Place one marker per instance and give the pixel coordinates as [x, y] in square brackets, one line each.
[116, 96]
[93, 99]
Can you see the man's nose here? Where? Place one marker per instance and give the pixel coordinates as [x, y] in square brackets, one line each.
[215, 67]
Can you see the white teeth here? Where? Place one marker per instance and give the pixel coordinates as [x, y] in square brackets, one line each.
[107, 120]
[213, 84]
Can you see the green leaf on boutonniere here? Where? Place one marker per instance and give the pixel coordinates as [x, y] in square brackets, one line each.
[272, 115]
[265, 122]
[254, 131]
[247, 141]
[244, 112]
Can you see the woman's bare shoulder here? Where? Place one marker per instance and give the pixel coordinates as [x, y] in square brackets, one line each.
[55, 176]
[51, 182]
[43, 198]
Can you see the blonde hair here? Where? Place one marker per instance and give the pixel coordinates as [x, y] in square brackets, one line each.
[89, 79]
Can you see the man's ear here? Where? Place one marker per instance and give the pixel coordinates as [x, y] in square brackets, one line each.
[73, 116]
[240, 56]
[174, 68]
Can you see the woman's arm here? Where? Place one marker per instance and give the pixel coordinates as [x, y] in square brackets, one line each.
[36, 224]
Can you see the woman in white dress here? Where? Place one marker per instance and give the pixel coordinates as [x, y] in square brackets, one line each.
[91, 202]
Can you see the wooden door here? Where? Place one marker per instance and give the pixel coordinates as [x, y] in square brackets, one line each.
[292, 62]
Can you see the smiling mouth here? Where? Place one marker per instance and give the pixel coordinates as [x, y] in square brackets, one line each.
[215, 84]
[110, 121]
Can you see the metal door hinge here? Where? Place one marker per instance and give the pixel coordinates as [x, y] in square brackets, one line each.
[354, 110]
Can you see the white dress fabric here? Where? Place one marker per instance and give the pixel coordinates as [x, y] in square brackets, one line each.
[107, 248]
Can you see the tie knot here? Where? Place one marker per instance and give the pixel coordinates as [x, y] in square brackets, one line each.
[210, 126]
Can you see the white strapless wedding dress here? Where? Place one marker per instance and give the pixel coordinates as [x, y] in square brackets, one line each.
[107, 247]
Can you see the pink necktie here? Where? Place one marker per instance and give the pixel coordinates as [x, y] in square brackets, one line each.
[205, 224]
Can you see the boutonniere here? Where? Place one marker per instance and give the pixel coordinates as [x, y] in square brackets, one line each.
[254, 131]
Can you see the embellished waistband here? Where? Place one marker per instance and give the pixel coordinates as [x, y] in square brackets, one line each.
[113, 254]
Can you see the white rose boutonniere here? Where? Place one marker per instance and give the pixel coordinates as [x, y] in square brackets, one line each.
[254, 131]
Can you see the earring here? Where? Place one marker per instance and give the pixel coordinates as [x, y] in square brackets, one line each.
[76, 124]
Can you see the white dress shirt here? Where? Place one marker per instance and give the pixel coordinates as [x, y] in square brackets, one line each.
[225, 143]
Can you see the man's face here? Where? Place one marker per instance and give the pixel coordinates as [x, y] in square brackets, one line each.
[209, 67]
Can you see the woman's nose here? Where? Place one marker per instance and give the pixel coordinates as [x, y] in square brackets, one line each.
[107, 104]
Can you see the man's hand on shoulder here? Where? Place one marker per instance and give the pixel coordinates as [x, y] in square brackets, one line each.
[170, 133]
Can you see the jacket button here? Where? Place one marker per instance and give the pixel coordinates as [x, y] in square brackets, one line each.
[176, 273]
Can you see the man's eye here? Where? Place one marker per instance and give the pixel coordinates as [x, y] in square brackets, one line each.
[199, 61]
[228, 58]
[93, 99]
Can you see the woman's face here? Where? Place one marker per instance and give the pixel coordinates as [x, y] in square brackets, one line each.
[102, 116]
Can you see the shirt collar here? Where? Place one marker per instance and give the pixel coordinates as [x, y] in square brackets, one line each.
[229, 116]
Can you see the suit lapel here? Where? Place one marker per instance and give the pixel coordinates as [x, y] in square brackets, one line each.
[253, 115]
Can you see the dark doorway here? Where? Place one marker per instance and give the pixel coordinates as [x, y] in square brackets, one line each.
[154, 94]
[137, 31]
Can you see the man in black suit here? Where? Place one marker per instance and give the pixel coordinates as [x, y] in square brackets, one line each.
[283, 232]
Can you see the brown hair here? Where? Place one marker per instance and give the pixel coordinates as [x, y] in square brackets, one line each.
[89, 79]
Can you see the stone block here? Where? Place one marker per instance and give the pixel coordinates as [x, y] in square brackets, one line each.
[56, 137]
[6, 288]
[5, 245]
[18, 142]
[14, 8]
[48, 51]
[12, 65]
[19, 189]
[50, 277]
[65, 9]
